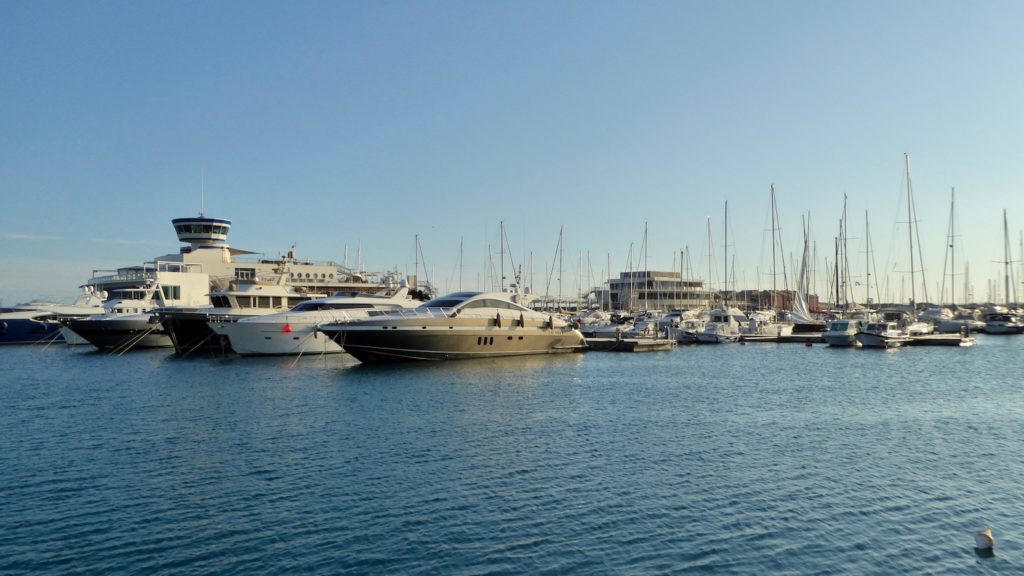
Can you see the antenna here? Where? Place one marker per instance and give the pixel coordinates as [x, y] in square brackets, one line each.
[202, 193]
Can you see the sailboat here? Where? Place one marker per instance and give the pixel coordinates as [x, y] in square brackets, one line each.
[800, 313]
[1001, 320]
[767, 322]
[907, 319]
[964, 320]
[723, 323]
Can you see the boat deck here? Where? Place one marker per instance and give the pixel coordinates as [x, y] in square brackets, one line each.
[803, 338]
[629, 344]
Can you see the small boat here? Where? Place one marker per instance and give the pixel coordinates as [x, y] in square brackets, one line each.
[1002, 321]
[882, 335]
[723, 326]
[458, 326]
[843, 332]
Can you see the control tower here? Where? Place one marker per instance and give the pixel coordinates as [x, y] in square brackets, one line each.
[201, 232]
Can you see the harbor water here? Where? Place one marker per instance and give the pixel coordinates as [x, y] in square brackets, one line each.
[756, 459]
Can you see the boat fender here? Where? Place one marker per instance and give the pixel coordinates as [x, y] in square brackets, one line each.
[497, 319]
[522, 321]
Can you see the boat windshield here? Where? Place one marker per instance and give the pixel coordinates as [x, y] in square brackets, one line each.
[449, 301]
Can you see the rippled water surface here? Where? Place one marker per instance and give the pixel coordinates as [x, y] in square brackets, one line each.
[758, 459]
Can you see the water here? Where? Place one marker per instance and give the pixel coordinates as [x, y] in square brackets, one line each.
[758, 459]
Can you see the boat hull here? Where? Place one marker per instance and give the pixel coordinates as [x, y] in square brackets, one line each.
[121, 334]
[868, 340]
[404, 344]
[28, 331]
[275, 339]
[841, 339]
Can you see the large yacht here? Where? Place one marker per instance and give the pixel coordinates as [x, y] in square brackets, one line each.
[128, 321]
[207, 267]
[295, 331]
[457, 326]
[189, 327]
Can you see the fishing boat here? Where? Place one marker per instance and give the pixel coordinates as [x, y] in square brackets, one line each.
[461, 325]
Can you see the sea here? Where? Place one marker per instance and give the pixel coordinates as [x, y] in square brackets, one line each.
[732, 459]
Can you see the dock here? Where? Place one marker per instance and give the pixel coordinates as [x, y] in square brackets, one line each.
[803, 338]
[629, 344]
[942, 340]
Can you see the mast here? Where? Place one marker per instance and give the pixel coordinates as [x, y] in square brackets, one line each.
[867, 260]
[910, 231]
[501, 253]
[773, 245]
[726, 256]
[1006, 260]
[708, 288]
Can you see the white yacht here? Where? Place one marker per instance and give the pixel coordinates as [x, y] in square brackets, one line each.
[457, 326]
[882, 335]
[128, 321]
[723, 326]
[295, 331]
[189, 327]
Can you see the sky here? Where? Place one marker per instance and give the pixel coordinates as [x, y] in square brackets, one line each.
[357, 127]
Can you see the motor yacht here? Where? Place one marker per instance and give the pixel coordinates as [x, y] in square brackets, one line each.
[461, 325]
[295, 331]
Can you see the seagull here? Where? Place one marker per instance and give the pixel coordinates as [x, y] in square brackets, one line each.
[984, 540]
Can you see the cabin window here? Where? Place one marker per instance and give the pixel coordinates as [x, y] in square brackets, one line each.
[171, 292]
[245, 273]
[263, 301]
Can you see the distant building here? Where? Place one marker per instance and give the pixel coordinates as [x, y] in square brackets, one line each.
[652, 290]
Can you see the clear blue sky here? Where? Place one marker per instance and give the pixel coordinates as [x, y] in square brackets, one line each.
[327, 124]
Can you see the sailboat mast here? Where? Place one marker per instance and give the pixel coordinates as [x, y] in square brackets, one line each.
[708, 287]
[910, 230]
[773, 246]
[501, 253]
[952, 249]
[1006, 260]
[726, 255]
